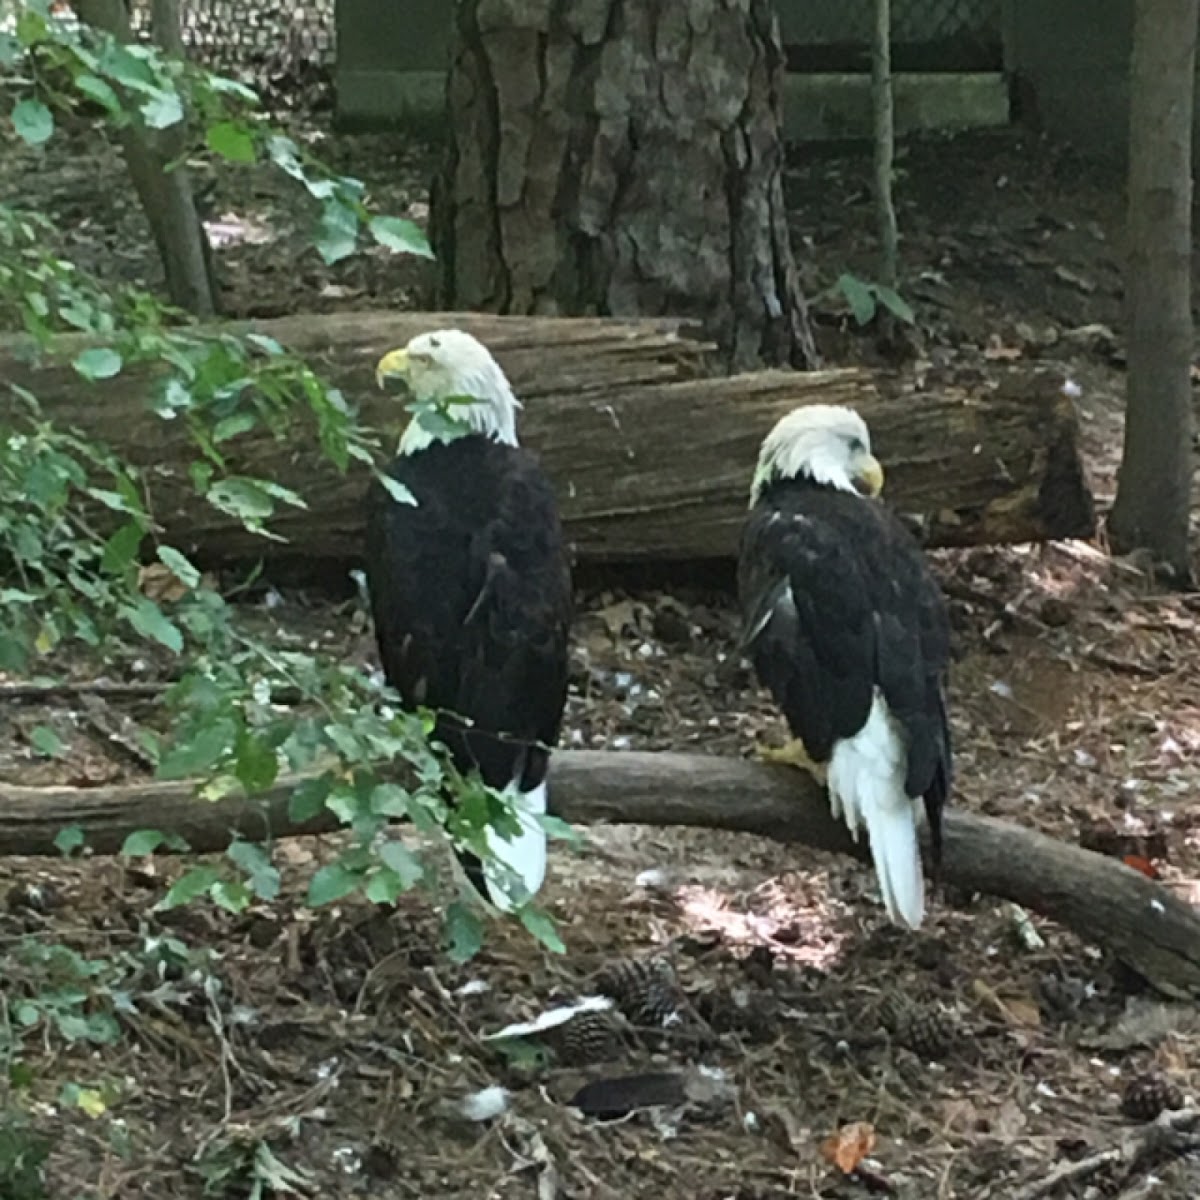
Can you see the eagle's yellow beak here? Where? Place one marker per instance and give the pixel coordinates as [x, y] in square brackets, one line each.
[393, 363]
[869, 480]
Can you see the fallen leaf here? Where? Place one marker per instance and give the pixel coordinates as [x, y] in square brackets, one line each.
[849, 1146]
[157, 582]
[619, 616]
[997, 351]
[1138, 863]
[1017, 1010]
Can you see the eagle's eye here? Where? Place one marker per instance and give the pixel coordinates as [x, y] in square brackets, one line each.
[856, 446]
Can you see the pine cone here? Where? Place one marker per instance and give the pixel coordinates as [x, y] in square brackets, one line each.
[590, 1037]
[646, 990]
[1149, 1094]
[928, 1029]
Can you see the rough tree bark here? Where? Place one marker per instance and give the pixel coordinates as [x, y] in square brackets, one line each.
[622, 159]
[166, 195]
[649, 464]
[1142, 922]
[1154, 484]
[885, 142]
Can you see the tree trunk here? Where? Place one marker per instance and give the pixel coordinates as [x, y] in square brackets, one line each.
[1154, 485]
[622, 159]
[885, 141]
[165, 195]
[649, 465]
[1142, 922]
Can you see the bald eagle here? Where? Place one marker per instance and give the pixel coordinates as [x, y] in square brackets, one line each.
[470, 588]
[847, 629]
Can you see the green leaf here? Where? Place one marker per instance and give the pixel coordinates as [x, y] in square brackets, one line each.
[96, 89]
[331, 883]
[400, 235]
[383, 887]
[121, 549]
[230, 427]
[162, 110]
[255, 765]
[859, 296]
[396, 489]
[232, 141]
[337, 234]
[179, 566]
[33, 121]
[542, 928]
[148, 619]
[398, 858]
[390, 800]
[464, 932]
[98, 363]
[68, 840]
[242, 498]
[308, 800]
[895, 304]
[142, 842]
[206, 747]
[256, 863]
[46, 742]
[188, 887]
[232, 895]
[556, 827]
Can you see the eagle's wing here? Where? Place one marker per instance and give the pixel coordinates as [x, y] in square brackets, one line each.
[419, 583]
[514, 664]
[809, 624]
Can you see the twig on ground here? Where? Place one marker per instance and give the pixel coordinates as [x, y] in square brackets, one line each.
[1172, 1132]
[59, 688]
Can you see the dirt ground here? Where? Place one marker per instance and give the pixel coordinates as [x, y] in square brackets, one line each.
[328, 1053]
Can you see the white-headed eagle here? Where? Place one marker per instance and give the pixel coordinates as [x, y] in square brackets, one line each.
[470, 588]
[847, 629]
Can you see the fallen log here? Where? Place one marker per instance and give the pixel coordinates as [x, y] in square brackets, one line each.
[1141, 922]
[651, 458]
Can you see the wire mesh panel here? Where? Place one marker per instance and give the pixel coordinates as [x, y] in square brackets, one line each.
[282, 48]
[821, 22]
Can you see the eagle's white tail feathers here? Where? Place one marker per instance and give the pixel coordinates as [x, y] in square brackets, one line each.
[866, 788]
[525, 854]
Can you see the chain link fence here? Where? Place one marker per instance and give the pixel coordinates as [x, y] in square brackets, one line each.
[285, 51]
[825, 22]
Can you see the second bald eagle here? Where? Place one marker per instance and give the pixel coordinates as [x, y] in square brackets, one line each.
[847, 629]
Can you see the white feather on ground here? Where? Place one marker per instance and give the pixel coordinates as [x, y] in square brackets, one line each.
[866, 789]
[525, 854]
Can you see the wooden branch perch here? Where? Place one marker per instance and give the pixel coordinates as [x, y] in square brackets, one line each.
[1100, 899]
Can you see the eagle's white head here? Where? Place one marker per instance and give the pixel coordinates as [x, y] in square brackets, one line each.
[449, 364]
[823, 442]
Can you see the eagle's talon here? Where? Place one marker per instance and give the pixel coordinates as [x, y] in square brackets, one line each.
[793, 754]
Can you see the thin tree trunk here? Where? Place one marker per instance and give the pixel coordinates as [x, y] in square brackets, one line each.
[1154, 485]
[166, 195]
[885, 141]
[623, 159]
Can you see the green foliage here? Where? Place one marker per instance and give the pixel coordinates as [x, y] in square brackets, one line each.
[71, 581]
[23, 1154]
[237, 1164]
[866, 298]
